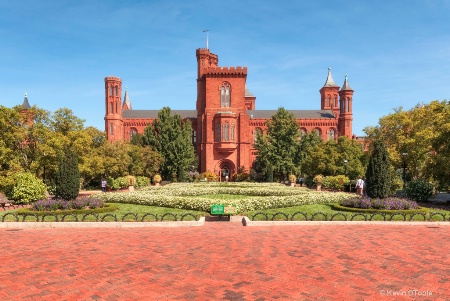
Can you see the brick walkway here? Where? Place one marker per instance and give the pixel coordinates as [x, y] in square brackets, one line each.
[226, 261]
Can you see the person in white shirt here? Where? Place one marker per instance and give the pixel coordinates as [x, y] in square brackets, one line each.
[359, 186]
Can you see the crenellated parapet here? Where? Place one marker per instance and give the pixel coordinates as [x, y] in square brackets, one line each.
[224, 71]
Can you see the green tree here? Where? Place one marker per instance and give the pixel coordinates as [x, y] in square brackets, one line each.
[378, 174]
[68, 176]
[27, 188]
[278, 149]
[170, 136]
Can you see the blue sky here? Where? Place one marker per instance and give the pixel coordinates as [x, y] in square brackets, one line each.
[396, 53]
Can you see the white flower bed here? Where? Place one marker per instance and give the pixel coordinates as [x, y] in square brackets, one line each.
[259, 196]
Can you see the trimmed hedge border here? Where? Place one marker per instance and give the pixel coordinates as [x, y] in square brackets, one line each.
[361, 210]
[27, 211]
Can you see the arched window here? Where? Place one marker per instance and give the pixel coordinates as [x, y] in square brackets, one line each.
[255, 134]
[232, 132]
[327, 101]
[133, 132]
[225, 132]
[217, 133]
[331, 134]
[111, 91]
[303, 132]
[117, 91]
[317, 131]
[111, 128]
[111, 108]
[225, 95]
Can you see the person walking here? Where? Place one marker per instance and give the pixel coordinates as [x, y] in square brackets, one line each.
[103, 185]
[359, 186]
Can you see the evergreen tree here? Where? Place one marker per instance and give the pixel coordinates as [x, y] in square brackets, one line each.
[378, 174]
[278, 150]
[170, 136]
[68, 176]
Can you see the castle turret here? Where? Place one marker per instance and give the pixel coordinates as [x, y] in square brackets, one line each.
[329, 95]
[113, 102]
[346, 114]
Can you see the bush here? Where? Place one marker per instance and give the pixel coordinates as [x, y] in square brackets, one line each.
[131, 180]
[378, 173]
[157, 179]
[122, 182]
[208, 175]
[60, 204]
[390, 203]
[142, 182]
[292, 178]
[335, 182]
[318, 179]
[28, 189]
[419, 190]
[67, 178]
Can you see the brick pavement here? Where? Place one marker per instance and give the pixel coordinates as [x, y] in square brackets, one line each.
[226, 261]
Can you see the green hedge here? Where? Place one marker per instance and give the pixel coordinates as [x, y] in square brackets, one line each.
[106, 208]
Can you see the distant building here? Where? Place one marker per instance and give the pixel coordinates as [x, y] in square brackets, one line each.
[225, 121]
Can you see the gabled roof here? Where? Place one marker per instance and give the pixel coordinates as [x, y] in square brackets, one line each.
[154, 113]
[299, 114]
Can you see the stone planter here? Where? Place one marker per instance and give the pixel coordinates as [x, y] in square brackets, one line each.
[131, 188]
[318, 187]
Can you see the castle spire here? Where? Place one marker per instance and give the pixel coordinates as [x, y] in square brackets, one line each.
[126, 101]
[26, 104]
[330, 82]
[346, 86]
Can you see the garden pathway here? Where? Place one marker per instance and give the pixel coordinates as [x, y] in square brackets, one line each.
[226, 261]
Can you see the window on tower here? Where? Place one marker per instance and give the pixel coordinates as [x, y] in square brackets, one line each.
[225, 132]
[111, 128]
[217, 132]
[232, 132]
[194, 136]
[225, 95]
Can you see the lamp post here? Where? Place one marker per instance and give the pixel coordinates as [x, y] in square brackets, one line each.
[404, 169]
[345, 167]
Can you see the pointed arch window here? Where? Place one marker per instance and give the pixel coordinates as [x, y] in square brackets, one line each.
[194, 136]
[327, 101]
[116, 89]
[232, 132]
[225, 132]
[133, 132]
[225, 95]
[217, 133]
[111, 91]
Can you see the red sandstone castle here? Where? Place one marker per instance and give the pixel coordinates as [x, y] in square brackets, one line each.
[225, 121]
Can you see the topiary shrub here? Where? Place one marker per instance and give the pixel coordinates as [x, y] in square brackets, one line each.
[335, 182]
[157, 179]
[419, 190]
[378, 174]
[28, 189]
[67, 178]
[142, 182]
[131, 180]
[122, 182]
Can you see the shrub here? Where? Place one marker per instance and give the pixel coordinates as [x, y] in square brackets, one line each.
[335, 182]
[157, 178]
[389, 203]
[142, 182]
[131, 180]
[378, 174]
[318, 179]
[60, 204]
[292, 178]
[28, 188]
[208, 175]
[68, 176]
[419, 190]
[122, 182]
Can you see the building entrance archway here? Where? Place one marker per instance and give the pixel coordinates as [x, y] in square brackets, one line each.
[225, 170]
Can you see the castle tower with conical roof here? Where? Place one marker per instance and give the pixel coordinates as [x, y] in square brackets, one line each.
[345, 114]
[329, 95]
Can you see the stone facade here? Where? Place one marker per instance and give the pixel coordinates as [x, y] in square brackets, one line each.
[225, 120]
